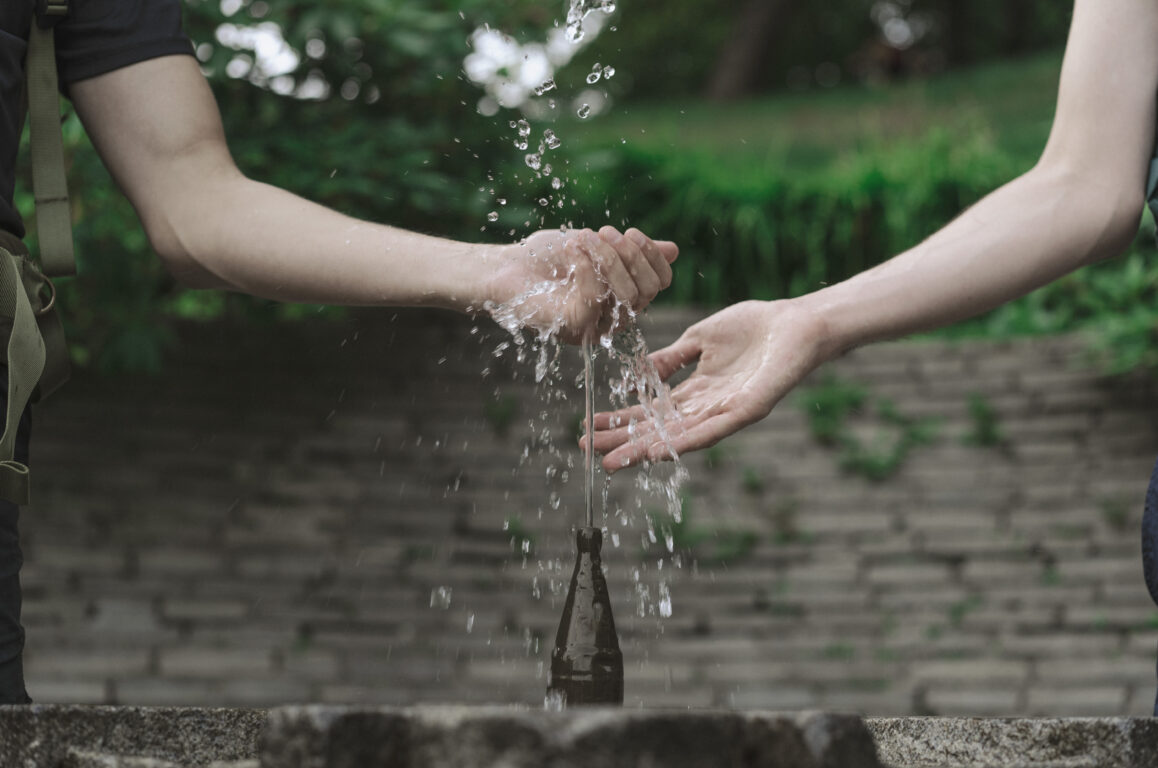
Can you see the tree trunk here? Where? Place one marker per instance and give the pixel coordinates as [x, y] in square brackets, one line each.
[1017, 21]
[739, 65]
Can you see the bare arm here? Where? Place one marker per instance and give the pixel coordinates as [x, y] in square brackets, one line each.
[157, 128]
[1081, 202]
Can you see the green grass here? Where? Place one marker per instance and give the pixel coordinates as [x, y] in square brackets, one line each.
[807, 133]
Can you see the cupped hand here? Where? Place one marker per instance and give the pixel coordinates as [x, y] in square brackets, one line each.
[579, 283]
[747, 356]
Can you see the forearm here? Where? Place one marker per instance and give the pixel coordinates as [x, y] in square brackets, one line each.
[1029, 232]
[247, 236]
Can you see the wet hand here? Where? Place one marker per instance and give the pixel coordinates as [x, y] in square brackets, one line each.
[579, 283]
[747, 357]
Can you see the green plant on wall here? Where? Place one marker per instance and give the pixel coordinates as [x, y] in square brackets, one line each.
[520, 538]
[984, 425]
[500, 413]
[704, 543]
[829, 406]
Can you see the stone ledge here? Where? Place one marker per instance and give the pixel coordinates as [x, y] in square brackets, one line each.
[319, 736]
[45, 735]
[488, 737]
[935, 742]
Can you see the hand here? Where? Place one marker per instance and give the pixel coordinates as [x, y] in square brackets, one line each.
[749, 356]
[578, 283]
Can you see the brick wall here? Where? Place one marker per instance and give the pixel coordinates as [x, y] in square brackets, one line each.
[293, 514]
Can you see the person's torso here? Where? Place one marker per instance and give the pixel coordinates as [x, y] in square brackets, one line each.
[15, 18]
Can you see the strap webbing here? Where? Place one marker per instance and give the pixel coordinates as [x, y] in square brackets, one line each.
[25, 354]
[53, 215]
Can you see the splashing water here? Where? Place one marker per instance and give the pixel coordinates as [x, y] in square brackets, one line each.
[578, 11]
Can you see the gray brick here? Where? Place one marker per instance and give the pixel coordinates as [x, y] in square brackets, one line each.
[972, 702]
[215, 663]
[67, 691]
[208, 611]
[917, 573]
[89, 664]
[779, 697]
[1102, 701]
[972, 673]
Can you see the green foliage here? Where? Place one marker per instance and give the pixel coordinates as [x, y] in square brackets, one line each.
[751, 481]
[500, 413]
[707, 544]
[985, 427]
[714, 456]
[829, 406]
[521, 540]
[962, 608]
[783, 518]
[1116, 512]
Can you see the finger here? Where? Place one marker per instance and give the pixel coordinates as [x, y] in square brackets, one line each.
[691, 437]
[606, 420]
[610, 268]
[654, 255]
[670, 250]
[638, 265]
[582, 295]
[682, 352]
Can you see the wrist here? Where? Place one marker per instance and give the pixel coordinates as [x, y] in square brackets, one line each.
[812, 315]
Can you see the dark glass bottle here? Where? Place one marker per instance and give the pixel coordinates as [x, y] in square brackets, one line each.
[586, 664]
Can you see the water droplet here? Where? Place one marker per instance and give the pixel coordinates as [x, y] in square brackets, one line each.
[544, 201]
[501, 201]
[469, 622]
[593, 78]
[584, 111]
[608, 6]
[534, 161]
[493, 216]
[547, 169]
[556, 183]
[608, 72]
[524, 128]
[547, 85]
[550, 139]
[440, 597]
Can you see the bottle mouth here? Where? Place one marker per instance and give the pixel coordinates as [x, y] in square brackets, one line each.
[588, 539]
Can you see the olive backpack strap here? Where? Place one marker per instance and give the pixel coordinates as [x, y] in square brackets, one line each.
[53, 214]
[36, 355]
[25, 357]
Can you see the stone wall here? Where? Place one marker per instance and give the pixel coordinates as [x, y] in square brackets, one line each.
[317, 514]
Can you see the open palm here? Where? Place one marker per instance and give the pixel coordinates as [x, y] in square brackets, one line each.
[747, 356]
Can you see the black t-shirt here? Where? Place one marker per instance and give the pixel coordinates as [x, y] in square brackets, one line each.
[98, 36]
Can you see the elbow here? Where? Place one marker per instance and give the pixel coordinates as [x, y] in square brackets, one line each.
[1118, 226]
[180, 243]
[1104, 209]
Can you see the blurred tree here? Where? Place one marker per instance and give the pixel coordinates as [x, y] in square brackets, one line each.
[754, 33]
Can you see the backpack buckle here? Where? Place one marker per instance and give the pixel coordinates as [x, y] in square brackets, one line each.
[50, 12]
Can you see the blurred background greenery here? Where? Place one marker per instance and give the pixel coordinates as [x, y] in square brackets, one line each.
[784, 145]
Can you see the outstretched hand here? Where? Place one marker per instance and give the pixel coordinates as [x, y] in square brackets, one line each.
[748, 356]
[579, 283]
